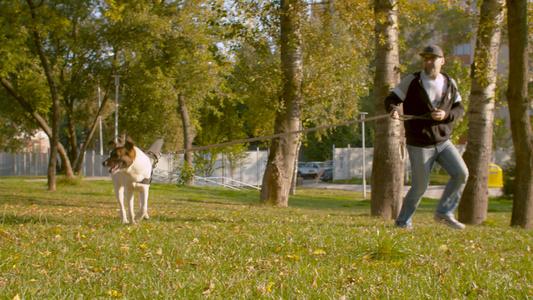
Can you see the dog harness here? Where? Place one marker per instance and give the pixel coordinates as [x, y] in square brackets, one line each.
[156, 160]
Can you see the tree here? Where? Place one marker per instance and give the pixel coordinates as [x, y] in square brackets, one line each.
[389, 145]
[280, 166]
[519, 107]
[221, 121]
[187, 140]
[170, 71]
[40, 120]
[33, 17]
[74, 55]
[474, 202]
[56, 111]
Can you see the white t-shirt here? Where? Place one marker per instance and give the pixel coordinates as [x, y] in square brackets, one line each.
[435, 88]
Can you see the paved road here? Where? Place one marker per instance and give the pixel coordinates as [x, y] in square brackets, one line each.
[433, 191]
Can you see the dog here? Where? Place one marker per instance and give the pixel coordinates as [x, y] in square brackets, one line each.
[131, 171]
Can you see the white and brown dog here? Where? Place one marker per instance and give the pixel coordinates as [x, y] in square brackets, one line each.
[131, 171]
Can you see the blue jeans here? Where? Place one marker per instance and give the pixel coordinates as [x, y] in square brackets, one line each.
[422, 161]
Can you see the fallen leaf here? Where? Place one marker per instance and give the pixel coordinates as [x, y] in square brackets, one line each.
[319, 252]
[293, 256]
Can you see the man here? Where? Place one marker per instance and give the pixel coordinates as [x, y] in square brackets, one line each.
[432, 97]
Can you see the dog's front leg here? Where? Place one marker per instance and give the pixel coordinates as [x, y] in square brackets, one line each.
[119, 192]
[129, 197]
[143, 204]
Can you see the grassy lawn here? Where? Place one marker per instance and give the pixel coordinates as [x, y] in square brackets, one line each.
[207, 243]
[435, 178]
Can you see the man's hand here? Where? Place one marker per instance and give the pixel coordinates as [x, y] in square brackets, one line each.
[394, 114]
[438, 114]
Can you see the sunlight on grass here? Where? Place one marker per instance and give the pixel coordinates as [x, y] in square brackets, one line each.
[219, 244]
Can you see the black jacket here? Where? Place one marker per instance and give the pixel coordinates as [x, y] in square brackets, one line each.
[427, 132]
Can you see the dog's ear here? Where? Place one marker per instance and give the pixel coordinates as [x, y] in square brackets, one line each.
[112, 143]
[129, 143]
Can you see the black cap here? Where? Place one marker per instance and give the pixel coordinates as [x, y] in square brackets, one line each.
[432, 50]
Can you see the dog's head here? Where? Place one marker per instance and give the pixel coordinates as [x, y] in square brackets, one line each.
[121, 157]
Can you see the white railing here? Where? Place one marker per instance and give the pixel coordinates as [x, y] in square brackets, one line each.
[223, 182]
[169, 177]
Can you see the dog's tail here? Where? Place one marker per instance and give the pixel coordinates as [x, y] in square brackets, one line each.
[155, 150]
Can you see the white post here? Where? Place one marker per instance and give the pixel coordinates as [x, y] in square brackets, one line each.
[348, 162]
[117, 83]
[100, 122]
[257, 166]
[363, 114]
[333, 163]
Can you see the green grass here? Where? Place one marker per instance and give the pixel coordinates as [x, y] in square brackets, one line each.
[206, 243]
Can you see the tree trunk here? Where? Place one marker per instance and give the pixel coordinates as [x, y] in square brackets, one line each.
[187, 138]
[519, 106]
[475, 200]
[280, 166]
[389, 159]
[72, 141]
[294, 181]
[56, 110]
[83, 150]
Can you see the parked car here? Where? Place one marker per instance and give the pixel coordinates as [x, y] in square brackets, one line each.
[327, 174]
[310, 169]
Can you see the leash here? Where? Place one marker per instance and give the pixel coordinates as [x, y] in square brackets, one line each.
[410, 117]
[272, 136]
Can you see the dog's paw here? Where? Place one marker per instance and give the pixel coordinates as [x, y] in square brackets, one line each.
[142, 216]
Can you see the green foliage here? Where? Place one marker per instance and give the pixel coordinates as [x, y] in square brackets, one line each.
[185, 173]
[255, 81]
[530, 35]
[318, 147]
[204, 162]
[222, 121]
[502, 134]
[171, 49]
[421, 22]
[461, 74]
[207, 50]
[337, 51]
[508, 172]
[220, 244]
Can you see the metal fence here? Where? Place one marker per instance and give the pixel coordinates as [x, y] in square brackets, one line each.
[249, 172]
[23, 164]
[347, 163]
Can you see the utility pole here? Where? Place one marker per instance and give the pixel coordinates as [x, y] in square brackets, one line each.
[363, 114]
[117, 83]
[100, 122]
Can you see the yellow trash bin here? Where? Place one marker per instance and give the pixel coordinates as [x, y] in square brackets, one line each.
[495, 176]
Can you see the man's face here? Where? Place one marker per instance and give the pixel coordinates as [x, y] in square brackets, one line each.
[432, 65]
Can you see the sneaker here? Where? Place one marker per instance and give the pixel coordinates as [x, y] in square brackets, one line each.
[404, 226]
[450, 221]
